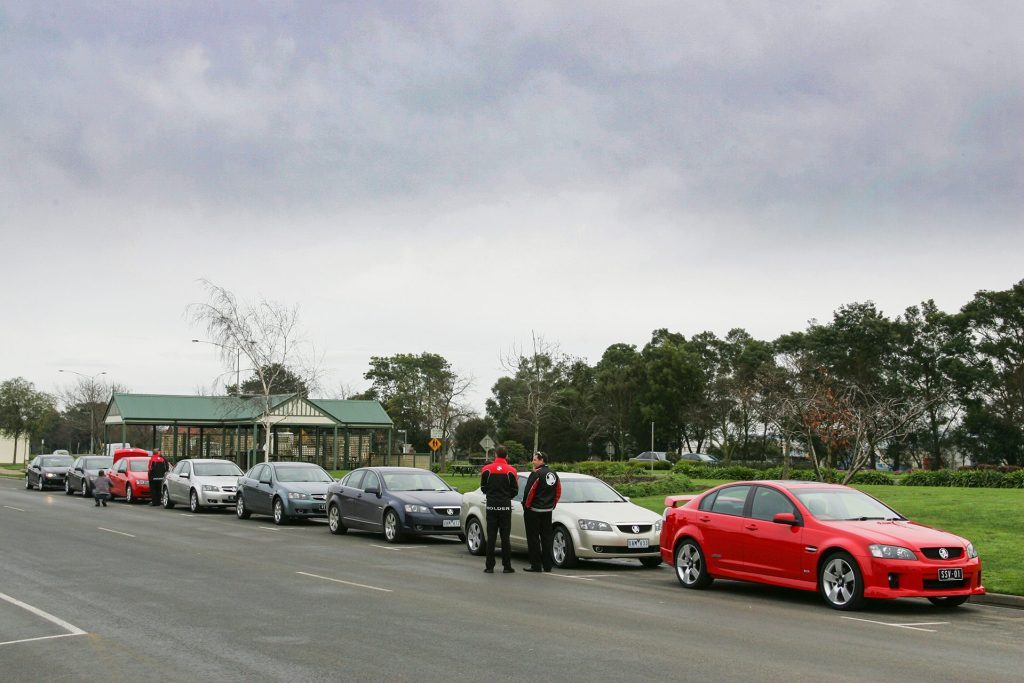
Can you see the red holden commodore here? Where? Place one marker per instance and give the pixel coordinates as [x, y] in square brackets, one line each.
[828, 538]
[129, 475]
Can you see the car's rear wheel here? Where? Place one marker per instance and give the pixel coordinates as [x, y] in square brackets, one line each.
[691, 569]
[392, 526]
[474, 537]
[650, 561]
[67, 487]
[562, 551]
[165, 498]
[240, 510]
[129, 495]
[949, 600]
[193, 502]
[334, 519]
[840, 582]
[279, 516]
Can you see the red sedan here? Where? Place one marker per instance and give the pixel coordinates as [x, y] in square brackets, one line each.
[129, 478]
[828, 538]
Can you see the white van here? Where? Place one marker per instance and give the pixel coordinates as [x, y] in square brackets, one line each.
[111, 447]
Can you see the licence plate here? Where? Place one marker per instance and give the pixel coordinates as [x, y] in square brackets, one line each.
[955, 574]
[637, 543]
[321, 507]
[454, 523]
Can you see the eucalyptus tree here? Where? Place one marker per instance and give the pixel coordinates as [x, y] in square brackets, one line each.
[617, 387]
[24, 410]
[673, 389]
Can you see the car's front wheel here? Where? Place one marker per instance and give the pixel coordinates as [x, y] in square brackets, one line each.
[949, 600]
[67, 487]
[240, 510]
[334, 520]
[28, 483]
[840, 582]
[165, 498]
[279, 516]
[474, 537]
[193, 502]
[85, 489]
[691, 570]
[39, 484]
[562, 551]
[392, 527]
[129, 495]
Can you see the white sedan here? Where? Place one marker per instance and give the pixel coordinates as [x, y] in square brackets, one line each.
[591, 521]
[200, 482]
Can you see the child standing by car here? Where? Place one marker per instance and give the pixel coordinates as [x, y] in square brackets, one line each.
[101, 489]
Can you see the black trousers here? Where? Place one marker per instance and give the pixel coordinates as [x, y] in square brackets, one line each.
[539, 537]
[499, 521]
[155, 486]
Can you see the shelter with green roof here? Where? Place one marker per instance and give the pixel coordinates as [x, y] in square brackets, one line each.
[336, 434]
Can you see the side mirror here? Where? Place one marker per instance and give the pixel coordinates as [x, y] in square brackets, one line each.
[78, 469]
[786, 518]
[186, 475]
[372, 490]
[265, 481]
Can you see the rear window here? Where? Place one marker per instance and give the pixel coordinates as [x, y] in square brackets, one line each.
[57, 461]
[138, 465]
[98, 463]
[730, 500]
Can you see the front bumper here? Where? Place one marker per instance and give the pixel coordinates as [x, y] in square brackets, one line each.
[427, 523]
[918, 578]
[615, 544]
[316, 507]
[53, 481]
[215, 499]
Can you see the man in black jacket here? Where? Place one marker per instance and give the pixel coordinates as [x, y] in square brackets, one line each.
[543, 489]
[500, 483]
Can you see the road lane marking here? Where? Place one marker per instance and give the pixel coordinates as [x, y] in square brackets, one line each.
[347, 583]
[101, 528]
[268, 528]
[13, 508]
[29, 640]
[393, 547]
[912, 627]
[567, 576]
[71, 628]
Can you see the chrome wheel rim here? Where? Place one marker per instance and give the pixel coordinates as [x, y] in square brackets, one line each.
[240, 507]
[278, 511]
[67, 486]
[128, 495]
[688, 564]
[85, 489]
[390, 526]
[558, 548]
[164, 497]
[193, 502]
[840, 583]
[333, 517]
[474, 537]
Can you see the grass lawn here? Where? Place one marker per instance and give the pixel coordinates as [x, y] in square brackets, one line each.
[992, 519]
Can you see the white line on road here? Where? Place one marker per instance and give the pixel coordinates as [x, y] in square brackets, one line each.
[29, 640]
[72, 629]
[348, 583]
[268, 528]
[101, 528]
[912, 627]
[395, 547]
[577, 578]
[13, 508]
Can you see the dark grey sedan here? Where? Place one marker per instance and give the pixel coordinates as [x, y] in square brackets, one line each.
[283, 490]
[395, 501]
[83, 473]
[47, 471]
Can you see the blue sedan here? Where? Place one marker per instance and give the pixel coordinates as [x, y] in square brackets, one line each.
[395, 501]
[283, 490]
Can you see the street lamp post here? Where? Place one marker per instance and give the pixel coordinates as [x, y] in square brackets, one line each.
[238, 361]
[92, 405]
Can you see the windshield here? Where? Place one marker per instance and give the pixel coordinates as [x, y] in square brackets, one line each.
[414, 481]
[843, 504]
[57, 461]
[216, 469]
[97, 463]
[138, 465]
[302, 474]
[588, 491]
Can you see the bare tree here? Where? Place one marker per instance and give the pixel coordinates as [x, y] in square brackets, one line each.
[85, 401]
[539, 378]
[266, 333]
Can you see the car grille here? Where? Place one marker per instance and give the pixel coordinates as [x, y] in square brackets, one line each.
[933, 553]
[318, 496]
[634, 528]
[933, 585]
[227, 489]
[446, 510]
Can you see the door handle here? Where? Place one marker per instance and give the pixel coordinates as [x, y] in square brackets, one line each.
[751, 527]
[704, 519]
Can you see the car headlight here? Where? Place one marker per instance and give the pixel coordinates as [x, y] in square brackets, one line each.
[210, 487]
[416, 508]
[295, 495]
[971, 552]
[141, 482]
[49, 475]
[891, 552]
[594, 525]
[657, 526]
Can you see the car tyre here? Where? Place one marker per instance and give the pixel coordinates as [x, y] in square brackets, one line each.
[334, 520]
[28, 483]
[474, 537]
[67, 487]
[840, 582]
[392, 526]
[240, 510]
[85, 489]
[165, 498]
[562, 551]
[650, 562]
[129, 495]
[279, 516]
[949, 600]
[39, 484]
[193, 502]
[691, 569]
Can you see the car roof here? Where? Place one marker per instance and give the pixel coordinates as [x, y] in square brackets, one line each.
[292, 464]
[206, 460]
[793, 484]
[565, 475]
[393, 468]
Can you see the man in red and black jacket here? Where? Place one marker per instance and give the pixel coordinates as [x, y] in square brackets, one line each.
[157, 472]
[543, 489]
[500, 483]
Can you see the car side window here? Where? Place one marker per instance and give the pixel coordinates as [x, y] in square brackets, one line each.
[179, 467]
[521, 482]
[355, 479]
[707, 501]
[186, 468]
[121, 466]
[371, 480]
[768, 503]
[730, 500]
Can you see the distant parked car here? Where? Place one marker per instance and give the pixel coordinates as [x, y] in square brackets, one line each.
[650, 456]
[283, 490]
[47, 471]
[129, 477]
[83, 473]
[591, 520]
[395, 501]
[201, 483]
[705, 458]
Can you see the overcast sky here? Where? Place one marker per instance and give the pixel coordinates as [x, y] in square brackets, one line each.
[449, 176]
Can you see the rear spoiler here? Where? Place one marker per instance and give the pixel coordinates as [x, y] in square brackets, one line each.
[676, 501]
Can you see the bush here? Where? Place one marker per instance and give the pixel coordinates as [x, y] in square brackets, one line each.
[658, 486]
[873, 477]
[930, 478]
[979, 478]
[1013, 480]
[516, 451]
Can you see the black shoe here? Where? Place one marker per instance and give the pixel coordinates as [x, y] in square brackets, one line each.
[97, 504]
[508, 570]
[104, 504]
[531, 569]
[547, 569]
[488, 570]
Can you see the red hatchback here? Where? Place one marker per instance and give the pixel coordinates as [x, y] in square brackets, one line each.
[828, 538]
[129, 476]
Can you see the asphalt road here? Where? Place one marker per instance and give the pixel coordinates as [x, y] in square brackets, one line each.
[129, 591]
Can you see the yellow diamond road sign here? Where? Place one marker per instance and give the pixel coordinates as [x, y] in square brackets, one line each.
[434, 444]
